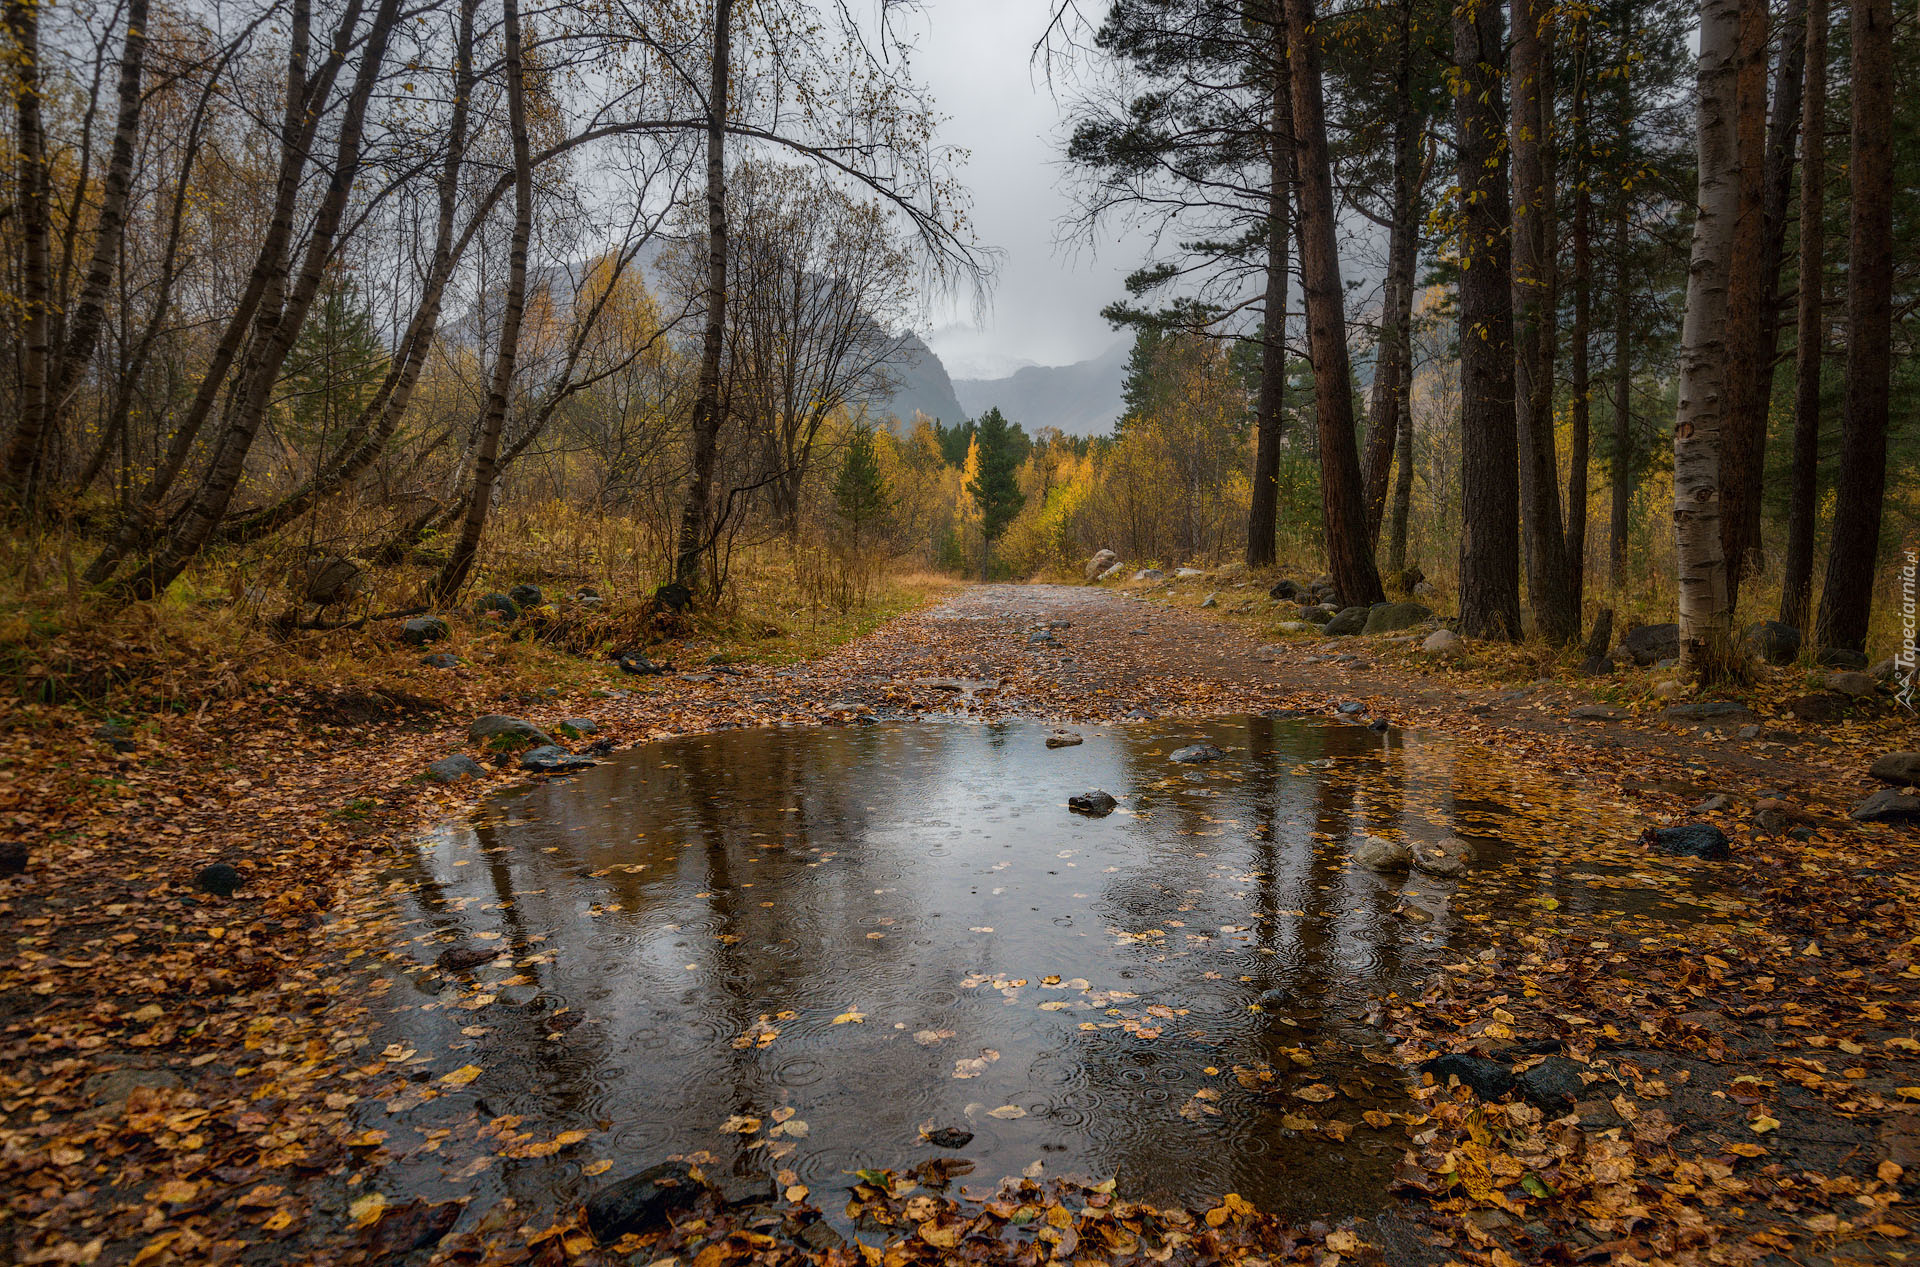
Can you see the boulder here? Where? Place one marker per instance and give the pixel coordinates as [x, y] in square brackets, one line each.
[1708, 710]
[1194, 754]
[1852, 683]
[1041, 638]
[466, 957]
[1283, 589]
[490, 603]
[552, 759]
[1188, 574]
[1315, 615]
[1818, 706]
[1113, 571]
[440, 660]
[673, 597]
[1689, 840]
[1378, 854]
[1447, 858]
[1650, 644]
[422, 630]
[1149, 574]
[1888, 805]
[219, 879]
[1490, 1079]
[1099, 563]
[1094, 804]
[1840, 658]
[1211, 600]
[455, 768]
[494, 725]
[1350, 620]
[1774, 641]
[637, 664]
[332, 580]
[1441, 642]
[1393, 617]
[1902, 768]
[527, 595]
[644, 1202]
[1296, 627]
[1063, 739]
[1554, 1084]
[574, 727]
[13, 857]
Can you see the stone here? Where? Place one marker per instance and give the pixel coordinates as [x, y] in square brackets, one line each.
[1296, 627]
[1349, 707]
[1853, 683]
[116, 735]
[1149, 574]
[1774, 641]
[1379, 726]
[1424, 589]
[1888, 805]
[1597, 666]
[1411, 577]
[495, 725]
[489, 603]
[1441, 642]
[1446, 859]
[1095, 804]
[1708, 710]
[1063, 739]
[552, 759]
[1187, 574]
[1283, 589]
[644, 1202]
[1902, 768]
[1689, 840]
[1490, 1079]
[1393, 617]
[1059, 624]
[949, 1137]
[1597, 712]
[1193, 754]
[440, 660]
[1350, 620]
[1041, 638]
[13, 857]
[332, 580]
[1211, 600]
[219, 879]
[673, 597]
[1554, 1084]
[1668, 690]
[455, 768]
[1098, 565]
[1841, 658]
[1377, 854]
[1712, 804]
[527, 596]
[574, 727]
[1818, 706]
[466, 957]
[637, 664]
[1652, 643]
[422, 630]
[1888, 671]
[1315, 615]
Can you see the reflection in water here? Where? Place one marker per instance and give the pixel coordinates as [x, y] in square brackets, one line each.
[832, 940]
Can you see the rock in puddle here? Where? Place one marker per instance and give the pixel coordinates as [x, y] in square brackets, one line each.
[463, 958]
[1689, 840]
[1376, 853]
[1194, 754]
[553, 759]
[1447, 858]
[1064, 739]
[1490, 1079]
[949, 1137]
[1094, 804]
[642, 1202]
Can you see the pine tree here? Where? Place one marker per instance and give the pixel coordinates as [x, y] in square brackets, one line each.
[860, 492]
[1000, 446]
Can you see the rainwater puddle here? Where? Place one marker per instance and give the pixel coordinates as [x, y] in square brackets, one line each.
[799, 949]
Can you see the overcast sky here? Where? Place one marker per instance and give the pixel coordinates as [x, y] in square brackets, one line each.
[1045, 306]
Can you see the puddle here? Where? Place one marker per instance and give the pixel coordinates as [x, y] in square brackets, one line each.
[798, 949]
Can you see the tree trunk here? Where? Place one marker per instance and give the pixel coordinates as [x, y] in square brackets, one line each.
[1622, 467]
[1342, 496]
[1706, 616]
[1579, 381]
[1744, 427]
[1396, 301]
[1796, 582]
[1853, 551]
[36, 283]
[453, 575]
[706, 406]
[1263, 510]
[110, 231]
[1556, 618]
[1489, 487]
[1403, 466]
[277, 327]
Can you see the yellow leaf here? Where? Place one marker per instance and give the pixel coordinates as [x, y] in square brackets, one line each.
[797, 1193]
[1762, 1124]
[176, 1191]
[462, 1076]
[600, 1167]
[1007, 1111]
[368, 1209]
[850, 1018]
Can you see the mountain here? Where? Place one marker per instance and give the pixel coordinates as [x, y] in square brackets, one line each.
[921, 385]
[1082, 399]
